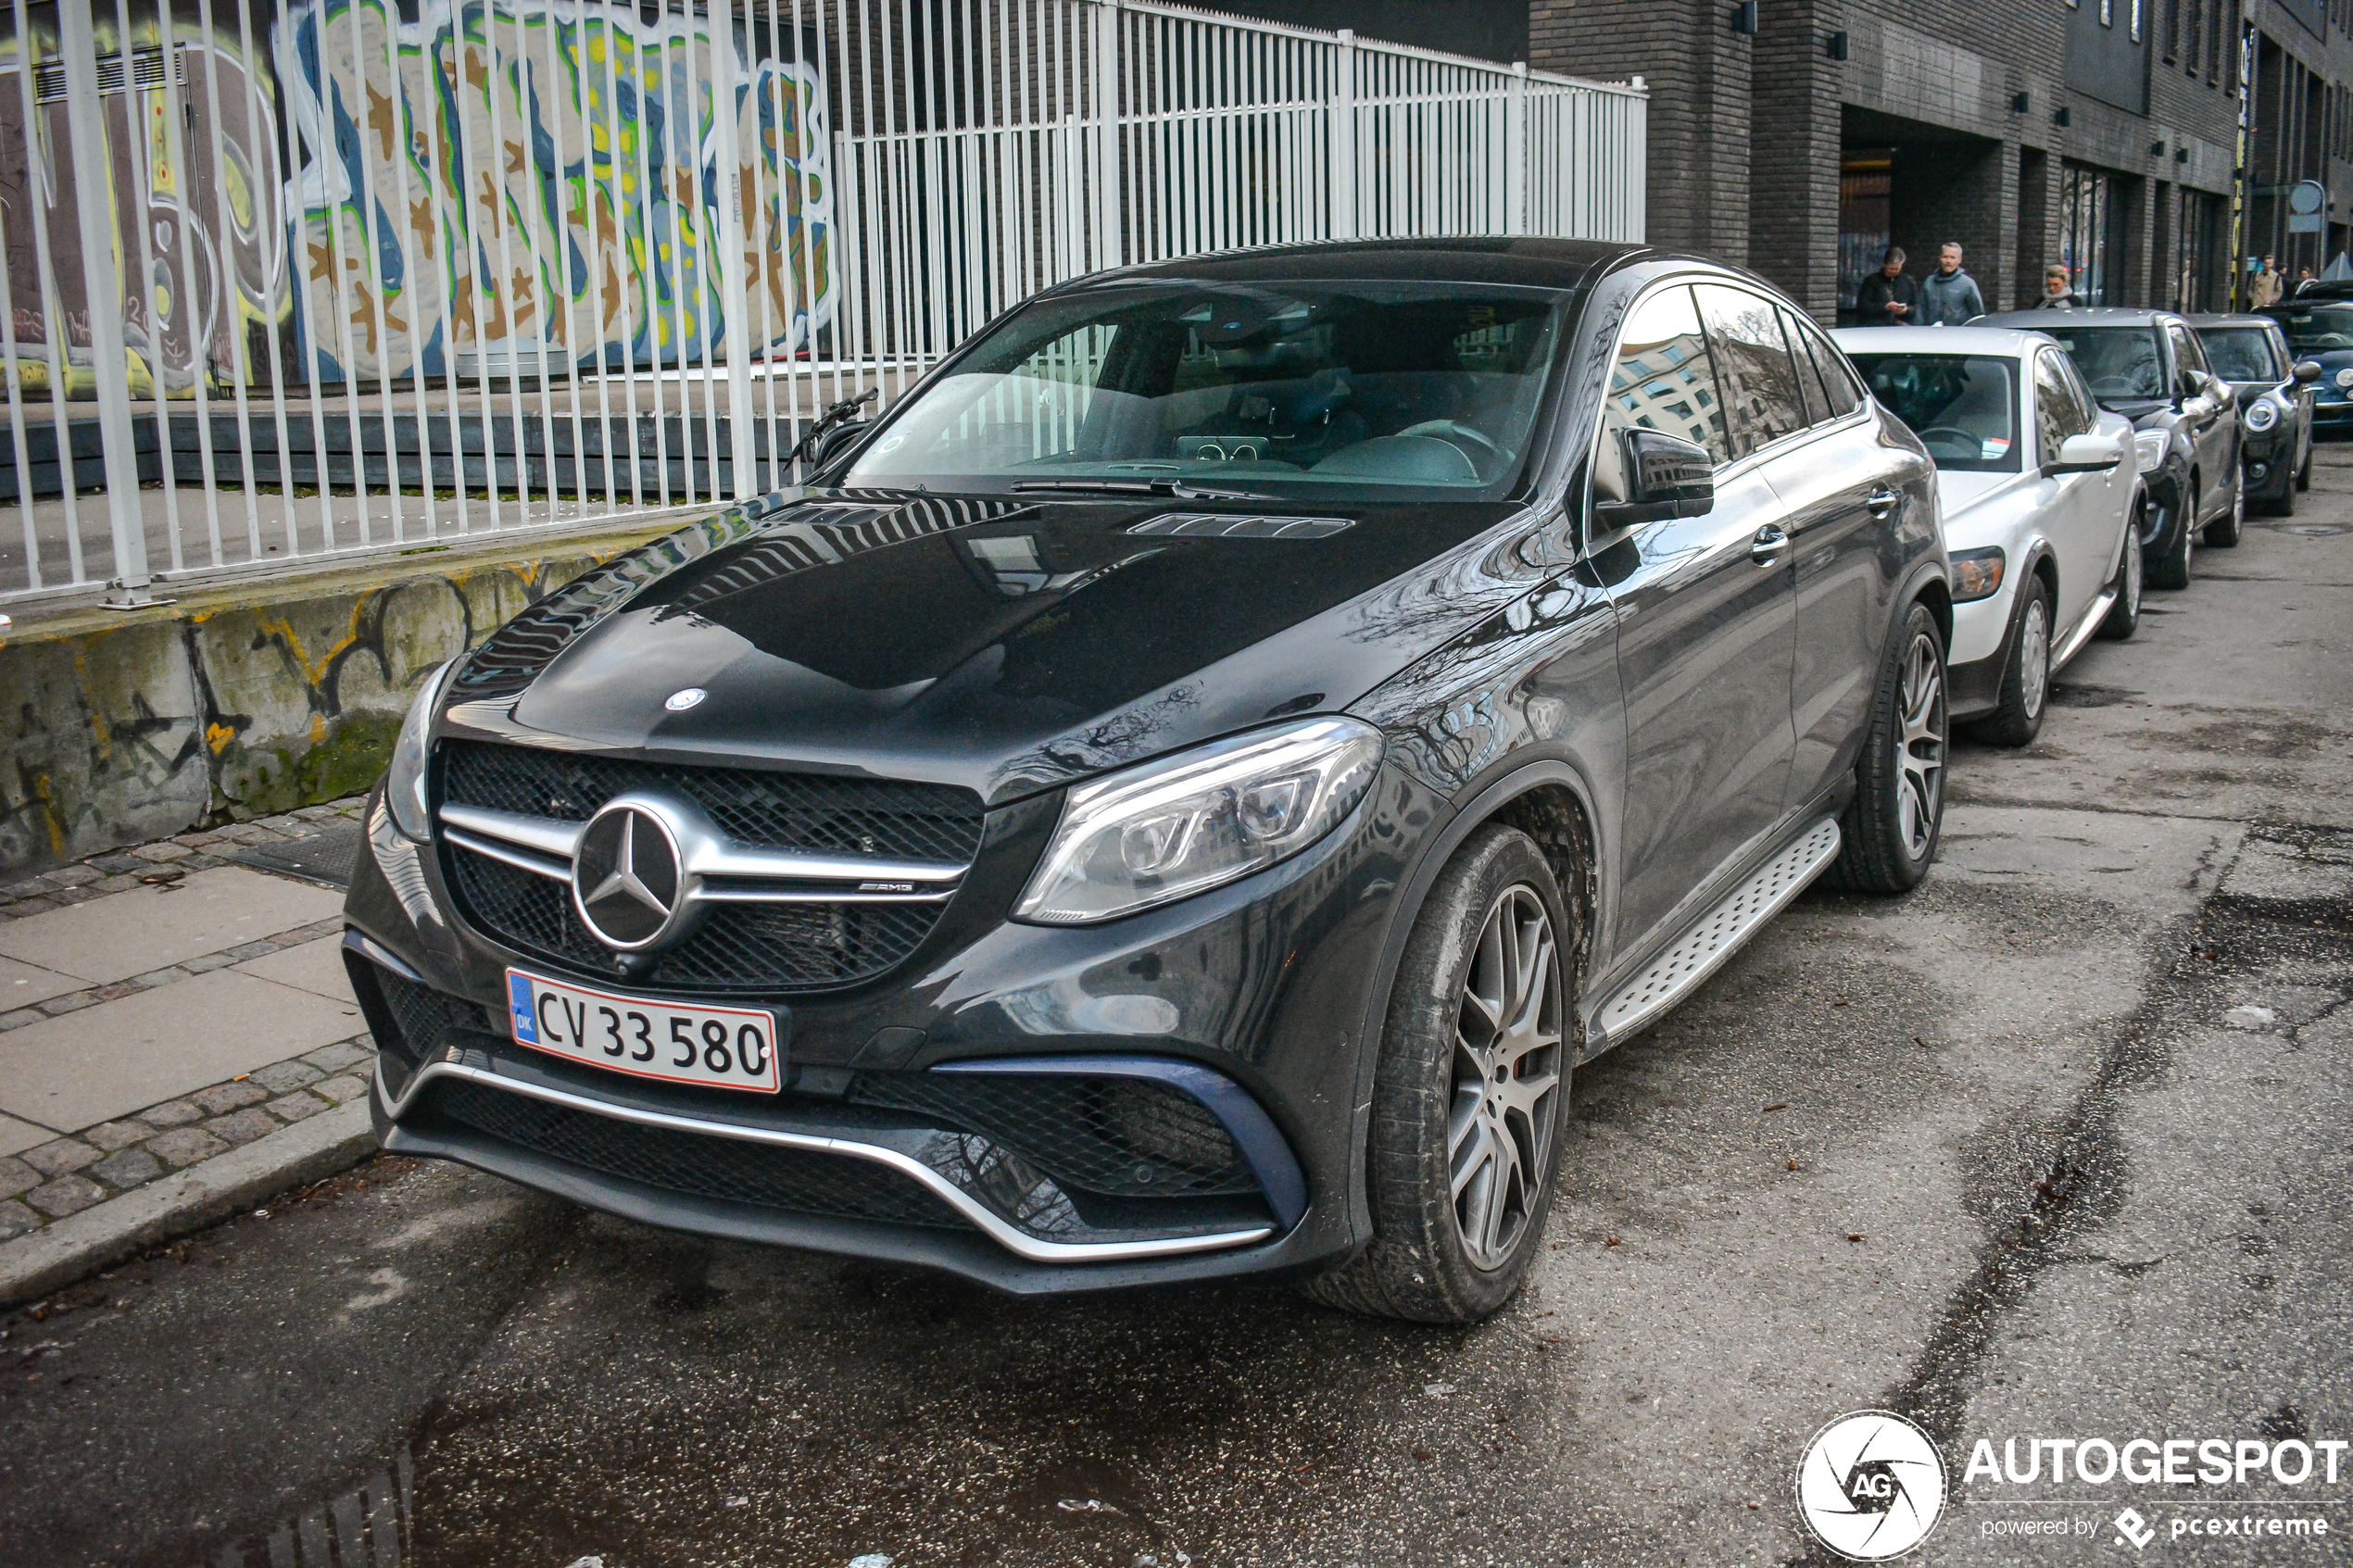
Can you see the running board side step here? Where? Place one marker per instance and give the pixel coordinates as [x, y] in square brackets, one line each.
[1711, 939]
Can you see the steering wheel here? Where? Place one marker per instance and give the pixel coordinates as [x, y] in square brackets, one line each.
[1964, 437]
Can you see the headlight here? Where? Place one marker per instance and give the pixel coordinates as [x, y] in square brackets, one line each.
[405, 780]
[1976, 574]
[2262, 414]
[1170, 829]
[2345, 376]
[2148, 450]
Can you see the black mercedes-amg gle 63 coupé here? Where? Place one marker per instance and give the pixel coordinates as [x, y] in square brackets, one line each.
[1176, 795]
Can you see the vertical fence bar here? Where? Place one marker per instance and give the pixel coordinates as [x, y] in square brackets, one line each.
[735, 300]
[94, 175]
[1342, 136]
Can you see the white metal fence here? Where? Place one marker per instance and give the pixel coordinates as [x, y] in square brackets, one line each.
[289, 279]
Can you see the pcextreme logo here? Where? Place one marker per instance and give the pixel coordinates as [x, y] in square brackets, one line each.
[1870, 1485]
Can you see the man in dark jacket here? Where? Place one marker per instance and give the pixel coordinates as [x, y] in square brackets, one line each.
[1887, 298]
[1950, 296]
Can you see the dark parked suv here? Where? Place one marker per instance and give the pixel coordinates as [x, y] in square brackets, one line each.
[1182, 792]
[2149, 366]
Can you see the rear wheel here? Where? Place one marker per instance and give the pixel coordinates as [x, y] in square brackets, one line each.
[1470, 1093]
[2168, 565]
[2223, 533]
[2026, 674]
[1890, 829]
[2124, 616]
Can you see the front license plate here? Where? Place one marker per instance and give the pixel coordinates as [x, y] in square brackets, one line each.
[717, 1047]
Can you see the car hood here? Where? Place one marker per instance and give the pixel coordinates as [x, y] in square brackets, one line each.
[999, 644]
[1964, 500]
[2147, 413]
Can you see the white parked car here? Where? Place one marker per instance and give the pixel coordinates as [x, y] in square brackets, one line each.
[2042, 500]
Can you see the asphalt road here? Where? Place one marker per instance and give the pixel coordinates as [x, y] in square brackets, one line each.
[2057, 1147]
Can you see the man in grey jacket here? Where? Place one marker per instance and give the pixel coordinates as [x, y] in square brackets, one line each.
[1949, 295]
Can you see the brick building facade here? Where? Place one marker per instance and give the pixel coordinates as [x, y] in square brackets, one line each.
[2099, 134]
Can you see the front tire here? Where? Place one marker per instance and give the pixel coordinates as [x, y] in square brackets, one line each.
[2016, 718]
[2223, 533]
[1470, 1094]
[2124, 616]
[1890, 829]
[2168, 565]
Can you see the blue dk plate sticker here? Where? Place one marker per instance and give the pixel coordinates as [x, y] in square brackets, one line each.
[526, 1016]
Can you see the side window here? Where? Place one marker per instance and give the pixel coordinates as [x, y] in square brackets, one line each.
[1664, 379]
[1810, 384]
[2186, 353]
[2055, 410]
[1837, 376]
[1753, 365]
[2087, 408]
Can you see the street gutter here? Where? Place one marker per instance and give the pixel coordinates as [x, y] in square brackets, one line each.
[40, 1262]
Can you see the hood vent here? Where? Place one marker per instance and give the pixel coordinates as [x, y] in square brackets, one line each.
[1226, 525]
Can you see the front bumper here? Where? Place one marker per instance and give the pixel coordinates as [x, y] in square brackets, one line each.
[1217, 1045]
[2332, 415]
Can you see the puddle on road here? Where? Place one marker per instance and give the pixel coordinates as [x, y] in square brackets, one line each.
[369, 1526]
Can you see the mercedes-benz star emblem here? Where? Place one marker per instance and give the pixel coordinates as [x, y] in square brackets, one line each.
[625, 877]
[684, 699]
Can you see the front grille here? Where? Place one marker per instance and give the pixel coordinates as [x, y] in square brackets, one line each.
[698, 1165]
[879, 817]
[741, 946]
[1122, 1137]
[765, 947]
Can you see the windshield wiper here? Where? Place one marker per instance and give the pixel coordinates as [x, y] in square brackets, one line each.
[834, 415]
[1175, 488]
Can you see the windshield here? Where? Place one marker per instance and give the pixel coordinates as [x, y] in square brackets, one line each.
[1963, 407]
[2323, 326]
[2240, 353]
[2120, 363]
[1321, 389]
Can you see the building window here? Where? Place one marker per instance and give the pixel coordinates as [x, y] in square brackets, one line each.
[2090, 239]
[2107, 13]
[2136, 19]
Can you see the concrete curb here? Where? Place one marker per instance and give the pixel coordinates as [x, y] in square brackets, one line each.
[34, 1264]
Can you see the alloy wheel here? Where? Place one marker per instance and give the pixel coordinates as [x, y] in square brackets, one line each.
[1920, 749]
[2034, 656]
[1506, 1074]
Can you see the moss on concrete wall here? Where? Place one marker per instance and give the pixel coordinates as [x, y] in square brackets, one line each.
[240, 700]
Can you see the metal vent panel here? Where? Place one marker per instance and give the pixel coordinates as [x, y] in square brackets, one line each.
[1226, 525]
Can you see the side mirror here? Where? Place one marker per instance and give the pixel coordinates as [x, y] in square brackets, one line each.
[1665, 476]
[2089, 453]
[2308, 373]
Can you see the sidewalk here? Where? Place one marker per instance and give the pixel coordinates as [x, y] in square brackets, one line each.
[160, 1009]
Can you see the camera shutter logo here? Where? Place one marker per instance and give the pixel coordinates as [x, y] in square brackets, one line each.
[1871, 1486]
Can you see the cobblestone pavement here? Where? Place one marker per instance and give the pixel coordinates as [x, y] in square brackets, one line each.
[52, 1165]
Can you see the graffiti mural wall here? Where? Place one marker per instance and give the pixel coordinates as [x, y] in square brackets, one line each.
[336, 190]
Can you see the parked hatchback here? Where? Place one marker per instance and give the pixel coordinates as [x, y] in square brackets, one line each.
[2274, 393]
[2148, 366]
[1184, 790]
[2321, 330]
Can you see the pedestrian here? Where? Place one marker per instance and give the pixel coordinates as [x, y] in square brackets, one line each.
[1888, 297]
[2056, 294]
[1949, 298]
[2265, 287]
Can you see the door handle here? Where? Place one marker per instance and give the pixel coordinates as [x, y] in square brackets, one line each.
[1770, 545]
[1882, 501]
